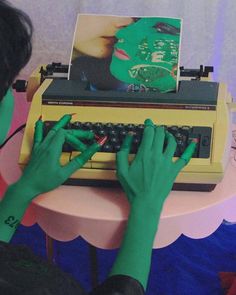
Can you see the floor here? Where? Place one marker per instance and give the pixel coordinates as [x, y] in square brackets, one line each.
[185, 267]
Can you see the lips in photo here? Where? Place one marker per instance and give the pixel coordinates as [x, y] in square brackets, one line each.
[121, 54]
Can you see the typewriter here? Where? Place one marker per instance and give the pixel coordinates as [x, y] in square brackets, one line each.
[200, 109]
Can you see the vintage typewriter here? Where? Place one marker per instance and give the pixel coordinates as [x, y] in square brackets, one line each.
[200, 109]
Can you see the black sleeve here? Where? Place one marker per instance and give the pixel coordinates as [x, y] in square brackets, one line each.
[119, 285]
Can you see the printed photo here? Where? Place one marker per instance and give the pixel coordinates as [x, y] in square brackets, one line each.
[126, 53]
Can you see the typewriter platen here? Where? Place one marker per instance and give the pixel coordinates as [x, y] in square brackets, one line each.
[199, 109]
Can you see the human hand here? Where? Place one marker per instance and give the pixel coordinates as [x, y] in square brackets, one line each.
[44, 171]
[148, 180]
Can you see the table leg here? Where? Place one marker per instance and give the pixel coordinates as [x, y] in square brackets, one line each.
[49, 248]
[92, 254]
[93, 265]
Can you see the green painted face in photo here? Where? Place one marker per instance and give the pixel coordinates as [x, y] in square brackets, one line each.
[6, 112]
[147, 53]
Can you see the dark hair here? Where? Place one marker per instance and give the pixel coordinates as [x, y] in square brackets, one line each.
[15, 43]
[23, 273]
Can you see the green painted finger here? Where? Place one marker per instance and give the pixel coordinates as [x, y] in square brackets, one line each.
[127, 142]
[81, 159]
[171, 145]
[148, 122]
[56, 143]
[147, 138]
[38, 133]
[76, 143]
[122, 156]
[186, 156]
[81, 133]
[88, 153]
[62, 122]
[189, 151]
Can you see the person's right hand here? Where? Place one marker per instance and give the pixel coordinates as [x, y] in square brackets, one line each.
[148, 180]
[44, 171]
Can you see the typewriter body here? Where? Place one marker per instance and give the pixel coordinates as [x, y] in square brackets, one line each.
[199, 109]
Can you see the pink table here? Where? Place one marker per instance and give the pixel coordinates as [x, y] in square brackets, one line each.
[99, 215]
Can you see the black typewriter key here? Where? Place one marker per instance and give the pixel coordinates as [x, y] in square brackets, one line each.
[185, 139]
[184, 134]
[136, 140]
[83, 126]
[117, 147]
[107, 148]
[109, 126]
[98, 126]
[114, 140]
[178, 150]
[206, 140]
[173, 129]
[130, 127]
[101, 132]
[76, 125]
[181, 146]
[119, 126]
[178, 135]
[112, 132]
[88, 126]
[123, 133]
[93, 130]
[185, 130]
[47, 127]
[135, 144]
[139, 128]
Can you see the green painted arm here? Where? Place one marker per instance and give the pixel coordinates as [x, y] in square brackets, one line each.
[43, 172]
[147, 182]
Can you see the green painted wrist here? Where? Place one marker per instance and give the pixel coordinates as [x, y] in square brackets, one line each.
[134, 257]
[12, 209]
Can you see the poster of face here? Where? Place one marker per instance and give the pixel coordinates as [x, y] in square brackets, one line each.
[126, 53]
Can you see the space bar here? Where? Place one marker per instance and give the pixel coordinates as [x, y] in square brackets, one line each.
[102, 157]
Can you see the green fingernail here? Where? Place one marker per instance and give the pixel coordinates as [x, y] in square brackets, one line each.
[148, 122]
[188, 153]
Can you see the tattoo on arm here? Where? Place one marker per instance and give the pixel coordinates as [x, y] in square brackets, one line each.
[12, 221]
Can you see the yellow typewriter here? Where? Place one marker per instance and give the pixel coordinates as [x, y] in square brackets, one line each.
[200, 109]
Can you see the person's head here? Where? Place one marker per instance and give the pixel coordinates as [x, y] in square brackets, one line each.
[95, 34]
[15, 51]
[147, 53]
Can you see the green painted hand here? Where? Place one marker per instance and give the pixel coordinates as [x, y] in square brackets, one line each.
[44, 171]
[150, 177]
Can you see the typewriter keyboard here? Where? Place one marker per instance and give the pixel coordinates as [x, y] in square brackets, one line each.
[117, 132]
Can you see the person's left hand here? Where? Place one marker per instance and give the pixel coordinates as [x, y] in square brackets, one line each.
[44, 171]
